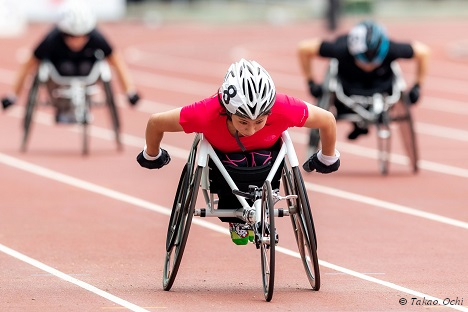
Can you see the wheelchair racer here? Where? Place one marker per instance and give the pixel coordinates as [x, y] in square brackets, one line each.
[73, 46]
[364, 59]
[246, 114]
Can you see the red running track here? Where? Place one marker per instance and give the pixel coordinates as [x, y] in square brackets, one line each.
[88, 233]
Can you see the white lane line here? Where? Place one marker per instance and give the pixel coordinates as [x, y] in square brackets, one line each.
[181, 153]
[297, 137]
[441, 132]
[384, 204]
[68, 278]
[443, 105]
[94, 188]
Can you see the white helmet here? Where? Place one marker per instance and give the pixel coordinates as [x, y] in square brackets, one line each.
[76, 19]
[247, 90]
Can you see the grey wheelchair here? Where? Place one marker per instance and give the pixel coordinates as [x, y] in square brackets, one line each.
[379, 110]
[80, 93]
[258, 208]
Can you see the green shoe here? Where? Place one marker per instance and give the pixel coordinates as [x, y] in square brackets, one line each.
[251, 235]
[239, 234]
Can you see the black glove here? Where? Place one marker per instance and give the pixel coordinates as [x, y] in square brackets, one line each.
[158, 163]
[133, 98]
[315, 89]
[313, 163]
[413, 94]
[7, 101]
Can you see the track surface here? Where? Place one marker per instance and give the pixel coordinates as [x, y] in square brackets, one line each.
[88, 233]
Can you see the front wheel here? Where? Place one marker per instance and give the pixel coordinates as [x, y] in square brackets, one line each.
[384, 143]
[268, 241]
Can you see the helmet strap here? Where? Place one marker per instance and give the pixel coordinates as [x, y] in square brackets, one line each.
[239, 142]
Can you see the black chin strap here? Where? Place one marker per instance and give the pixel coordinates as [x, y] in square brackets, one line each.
[239, 142]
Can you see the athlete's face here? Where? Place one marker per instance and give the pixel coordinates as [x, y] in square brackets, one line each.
[367, 67]
[75, 43]
[247, 126]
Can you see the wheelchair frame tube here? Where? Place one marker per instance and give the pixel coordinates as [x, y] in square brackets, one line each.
[206, 152]
[100, 69]
[335, 86]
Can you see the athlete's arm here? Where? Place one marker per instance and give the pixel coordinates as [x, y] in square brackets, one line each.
[116, 60]
[307, 51]
[31, 64]
[324, 121]
[421, 55]
[157, 125]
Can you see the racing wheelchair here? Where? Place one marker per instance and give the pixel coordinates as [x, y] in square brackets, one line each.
[261, 215]
[380, 110]
[80, 93]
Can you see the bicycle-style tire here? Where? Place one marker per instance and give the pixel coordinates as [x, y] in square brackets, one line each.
[302, 223]
[114, 114]
[85, 127]
[409, 139]
[180, 222]
[408, 135]
[30, 107]
[268, 241]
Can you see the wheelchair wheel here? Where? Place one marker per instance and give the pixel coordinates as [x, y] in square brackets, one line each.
[302, 222]
[408, 136]
[113, 112]
[267, 231]
[180, 222]
[85, 126]
[384, 143]
[30, 106]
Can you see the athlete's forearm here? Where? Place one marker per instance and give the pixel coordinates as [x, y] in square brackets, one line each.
[421, 53]
[157, 125]
[328, 136]
[307, 51]
[30, 65]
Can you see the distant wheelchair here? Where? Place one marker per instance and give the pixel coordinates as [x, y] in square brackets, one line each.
[380, 110]
[79, 92]
[199, 171]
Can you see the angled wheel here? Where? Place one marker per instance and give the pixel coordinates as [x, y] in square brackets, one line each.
[267, 231]
[180, 220]
[403, 116]
[85, 127]
[302, 223]
[110, 101]
[30, 107]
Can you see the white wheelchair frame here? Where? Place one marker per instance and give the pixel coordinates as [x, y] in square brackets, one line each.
[379, 110]
[79, 91]
[260, 216]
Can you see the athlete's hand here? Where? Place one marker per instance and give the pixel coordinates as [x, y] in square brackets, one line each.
[133, 98]
[315, 89]
[7, 101]
[157, 163]
[313, 163]
[413, 94]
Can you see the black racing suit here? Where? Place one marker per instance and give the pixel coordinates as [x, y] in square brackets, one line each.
[354, 80]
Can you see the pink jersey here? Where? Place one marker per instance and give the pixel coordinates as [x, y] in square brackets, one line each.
[208, 117]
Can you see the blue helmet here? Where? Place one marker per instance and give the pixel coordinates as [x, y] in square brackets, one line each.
[368, 42]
